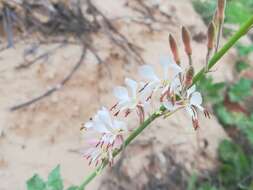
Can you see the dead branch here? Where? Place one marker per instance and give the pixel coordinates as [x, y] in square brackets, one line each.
[28, 63]
[57, 87]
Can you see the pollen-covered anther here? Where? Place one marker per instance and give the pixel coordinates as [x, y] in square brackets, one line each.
[116, 114]
[114, 106]
[145, 85]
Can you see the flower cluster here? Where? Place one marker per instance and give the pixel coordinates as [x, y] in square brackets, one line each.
[173, 87]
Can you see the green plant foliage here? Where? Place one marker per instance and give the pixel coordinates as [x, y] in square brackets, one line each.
[213, 92]
[235, 169]
[237, 11]
[244, 50]
[240, 90]
[207, 186]
[241, 65]
[235, 164]
[73, 188]
[239, 120]
[224, 116]
[35, 183]
[205, 8]
[192, 182]
[54, 182]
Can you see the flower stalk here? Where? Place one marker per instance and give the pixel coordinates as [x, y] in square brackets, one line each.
[242, 31]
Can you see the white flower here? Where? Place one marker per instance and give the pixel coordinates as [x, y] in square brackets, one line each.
[175, 86]
[136, 99]
[96, 154]
[156, 82]
[107, 135]
[111, 130]
[194, 101]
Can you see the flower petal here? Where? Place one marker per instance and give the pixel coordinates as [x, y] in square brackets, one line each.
[121, 93]
[191, 90]
[165, 61]
[168, 105]
[190, 111]
[132, 85]
[147, 72]
[177, 69]
[120, 125]
[196, 99]
[104, 118]
[175, 85]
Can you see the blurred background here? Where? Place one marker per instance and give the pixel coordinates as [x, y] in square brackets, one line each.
[60, 60]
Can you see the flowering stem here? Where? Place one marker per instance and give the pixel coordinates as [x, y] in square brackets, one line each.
[242, 31]
[217, 56]
[130, 138]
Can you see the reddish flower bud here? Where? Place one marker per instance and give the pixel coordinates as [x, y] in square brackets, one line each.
[189, 76]
[215, 19]
[221, 9]
[187, 41]
[210, 36]
[174, 49]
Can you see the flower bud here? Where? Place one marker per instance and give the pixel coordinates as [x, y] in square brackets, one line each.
[221, 9]
[189, 76]
[210, 36]
[187, 41]
[174, 49]
[215, 18]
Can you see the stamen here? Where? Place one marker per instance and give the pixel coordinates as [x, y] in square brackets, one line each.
[117, 113]
[114, 106]
[195, 123]
[207, 114]
[128, 111]
[143, 87]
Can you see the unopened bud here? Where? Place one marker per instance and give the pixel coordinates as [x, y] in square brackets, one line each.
[174, 49]
[221, 9]
[187, 41]
[210, 36]
[189, 76]
[215, 18]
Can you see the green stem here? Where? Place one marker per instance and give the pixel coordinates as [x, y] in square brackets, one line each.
[242, 31]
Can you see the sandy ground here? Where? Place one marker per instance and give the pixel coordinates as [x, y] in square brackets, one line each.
[47, 133]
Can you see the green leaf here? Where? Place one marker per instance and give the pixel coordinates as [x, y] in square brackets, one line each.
[241, 65]
[205, 9]
[54, 179]
[240, 90]
[244, 50]
[192, 182]
[35, 183]
[237, 12]
[224, 116]
[213, 92]
[73, 188]
[235, 163]
[207, 186]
